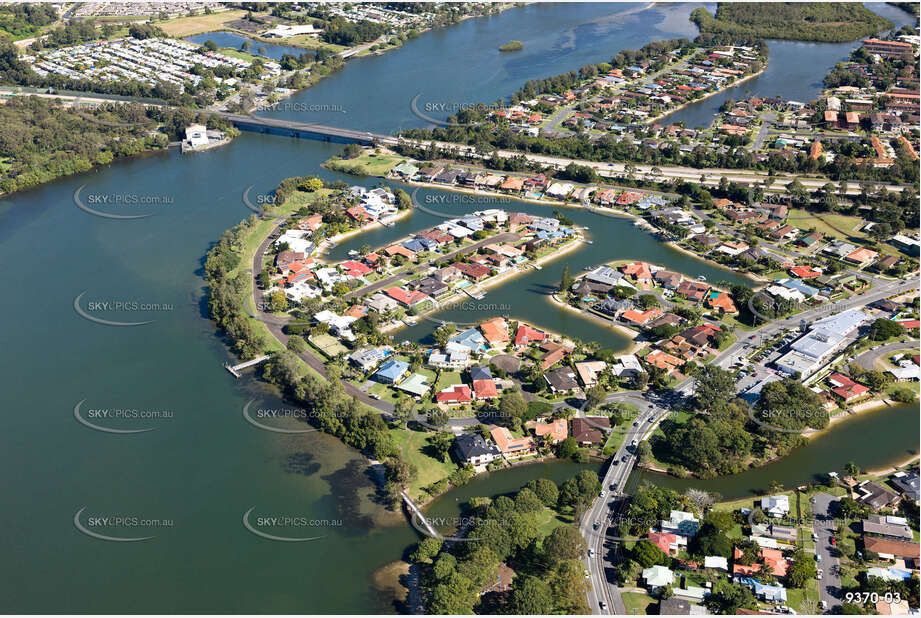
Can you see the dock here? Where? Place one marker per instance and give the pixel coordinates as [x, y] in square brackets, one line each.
[235, 369]
[478, 295]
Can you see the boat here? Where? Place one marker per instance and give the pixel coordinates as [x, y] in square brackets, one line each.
[538, 267]
[701, 278]
[353, 253]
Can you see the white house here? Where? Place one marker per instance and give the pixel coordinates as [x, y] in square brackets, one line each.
[776, 506]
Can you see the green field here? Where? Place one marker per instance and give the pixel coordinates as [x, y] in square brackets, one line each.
[639, 603]
[366, 164]
[328, 345]
[430, 470]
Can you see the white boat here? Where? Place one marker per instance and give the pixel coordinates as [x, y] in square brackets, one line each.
[353, 253]
[701, 278]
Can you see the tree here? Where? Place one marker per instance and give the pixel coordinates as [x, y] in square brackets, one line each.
[713, 387]
[427, 549]
[296, 344]
[512, 406]
[442, 334]
[526, 501]
[441, 443]
[567, 448]
[438, 417]
[566, 280]
[802, 569]
[564, 543]
[883, 329]
[546, 490]
[647, 554]
[531, 595]
[710, 541]
[594, 396]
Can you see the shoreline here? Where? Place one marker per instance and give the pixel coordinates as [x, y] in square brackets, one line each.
[338, 238]
[707, 96]
[613, 212]
[635, 345]
[491, 282]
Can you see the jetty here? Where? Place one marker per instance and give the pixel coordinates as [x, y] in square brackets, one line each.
[476, 294]
[235, 369]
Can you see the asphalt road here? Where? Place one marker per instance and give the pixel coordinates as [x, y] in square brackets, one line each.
[868, 359]
[825, 528]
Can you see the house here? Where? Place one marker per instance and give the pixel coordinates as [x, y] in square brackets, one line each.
[658, 576]
[693, 290]
[495, 331]
[666, 541]
[415, 384]
[588, 371]
[640, 318]
[673, 606]
[470, 339]
[627, 366]
[722, 302]
[526, 335]
[716, 562]
[876, 496]
[452, 360]
[455, 395]
[889, 549]
[556, 429]
[908, 483]
[776, 506]
[391, 371]
[681, 523]
[367, 359]
[608, 276]
[406, 298]
[512, 447]
[485, 389]
[887, 525]
[561, 379]
[586, 431]
[667, 279]
[861, 257]
[846, 389]
[472, 449]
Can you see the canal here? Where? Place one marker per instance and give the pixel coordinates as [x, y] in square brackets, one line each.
[202, 467]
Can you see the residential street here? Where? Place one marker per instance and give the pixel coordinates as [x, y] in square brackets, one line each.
[825, 528]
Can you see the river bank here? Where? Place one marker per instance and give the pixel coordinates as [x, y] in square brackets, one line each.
[709, 95]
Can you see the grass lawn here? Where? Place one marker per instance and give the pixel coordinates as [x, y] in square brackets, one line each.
[187, 26]
[429, 469]
[328, 345]
[448, 378]
[367, 164]
[547, 520]
[242, 55]
[638, 603]
[796, 596]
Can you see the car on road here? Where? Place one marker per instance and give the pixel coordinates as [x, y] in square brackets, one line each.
[636, 423]
[596, 525]
[604, 606]
[823, 605]
[601, 495]
[818, 557]
[634, 443]
[625, 458]
[819, 573]
[833, 541]
[613, 487]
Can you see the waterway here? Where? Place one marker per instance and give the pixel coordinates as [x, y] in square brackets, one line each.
[235, 41]
[201, 469]
[795, 71]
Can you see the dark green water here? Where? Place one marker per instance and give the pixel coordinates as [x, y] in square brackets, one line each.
[204, 467]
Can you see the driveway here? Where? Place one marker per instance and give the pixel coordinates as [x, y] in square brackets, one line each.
[823, 510]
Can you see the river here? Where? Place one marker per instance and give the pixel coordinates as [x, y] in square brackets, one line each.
[202, 469]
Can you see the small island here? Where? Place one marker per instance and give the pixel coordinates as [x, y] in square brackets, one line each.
[511, 46]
